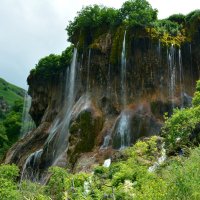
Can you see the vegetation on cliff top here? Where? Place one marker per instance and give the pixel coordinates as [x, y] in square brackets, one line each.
[136, 16]
[53, 64]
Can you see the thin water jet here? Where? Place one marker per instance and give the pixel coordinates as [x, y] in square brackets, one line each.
[27, 122]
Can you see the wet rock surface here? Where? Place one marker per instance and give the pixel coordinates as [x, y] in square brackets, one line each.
[102, 113]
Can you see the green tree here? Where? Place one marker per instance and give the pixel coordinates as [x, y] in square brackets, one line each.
[12, 124]
[3, 140]
[178, 18]
[18, 106]
[138, 12]
[66, 56]
[47, 66]
[90, 20]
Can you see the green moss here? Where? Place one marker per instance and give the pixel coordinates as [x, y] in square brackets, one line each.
[117, 45]
[166, 38]
[83, 133]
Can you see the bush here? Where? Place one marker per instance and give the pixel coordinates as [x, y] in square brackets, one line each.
[8, 185]
[58, 183]
[182, 128]
[182, 177]
[33, 191]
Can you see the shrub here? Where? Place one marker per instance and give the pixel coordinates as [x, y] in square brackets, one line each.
[8, 185]
[58, 182]
[182, 128]
[33, 191]
[182, 177]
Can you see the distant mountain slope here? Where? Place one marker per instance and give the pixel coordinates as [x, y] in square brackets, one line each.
[10, 93]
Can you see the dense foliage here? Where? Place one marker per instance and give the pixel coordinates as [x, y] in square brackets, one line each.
[127, 179]
[51, 65]
[183, 128]
[93, 22]
[138, 12]
[10, 126]
[92, 19]
[11, 105]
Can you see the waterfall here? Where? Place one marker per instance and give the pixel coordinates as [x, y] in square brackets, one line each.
[30, 169]
[106, 142]
[27, 122]
[123, 72]
[160, 160]
[63, 136]
[181, 77]
[160, 72]
[172, 73]
[57, 141]
[122, 130]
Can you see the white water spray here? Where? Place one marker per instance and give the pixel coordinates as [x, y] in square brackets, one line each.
[27, 122]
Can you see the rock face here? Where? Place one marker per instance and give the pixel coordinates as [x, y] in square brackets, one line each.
[155, 79]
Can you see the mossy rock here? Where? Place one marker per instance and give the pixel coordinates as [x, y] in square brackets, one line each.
[83, 132]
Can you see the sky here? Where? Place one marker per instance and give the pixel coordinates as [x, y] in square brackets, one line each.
[32, 29]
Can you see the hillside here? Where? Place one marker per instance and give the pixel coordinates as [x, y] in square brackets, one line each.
[10, 92]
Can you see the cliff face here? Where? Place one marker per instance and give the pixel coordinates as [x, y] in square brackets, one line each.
[112, 104]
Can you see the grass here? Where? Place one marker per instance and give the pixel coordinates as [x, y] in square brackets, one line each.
[10, 92]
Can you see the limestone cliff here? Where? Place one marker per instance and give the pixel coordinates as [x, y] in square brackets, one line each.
[114, 103]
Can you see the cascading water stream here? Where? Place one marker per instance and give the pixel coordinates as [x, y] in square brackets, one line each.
[62, 141]
[160, 72]
[123, 72]
[172, 74]
[27, 122]
[30, 169]
[181, 77]
[57, 141]
[123, 125]
[106, 142]
[123, 130]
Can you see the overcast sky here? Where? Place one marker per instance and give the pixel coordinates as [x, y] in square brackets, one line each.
[32, 29]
